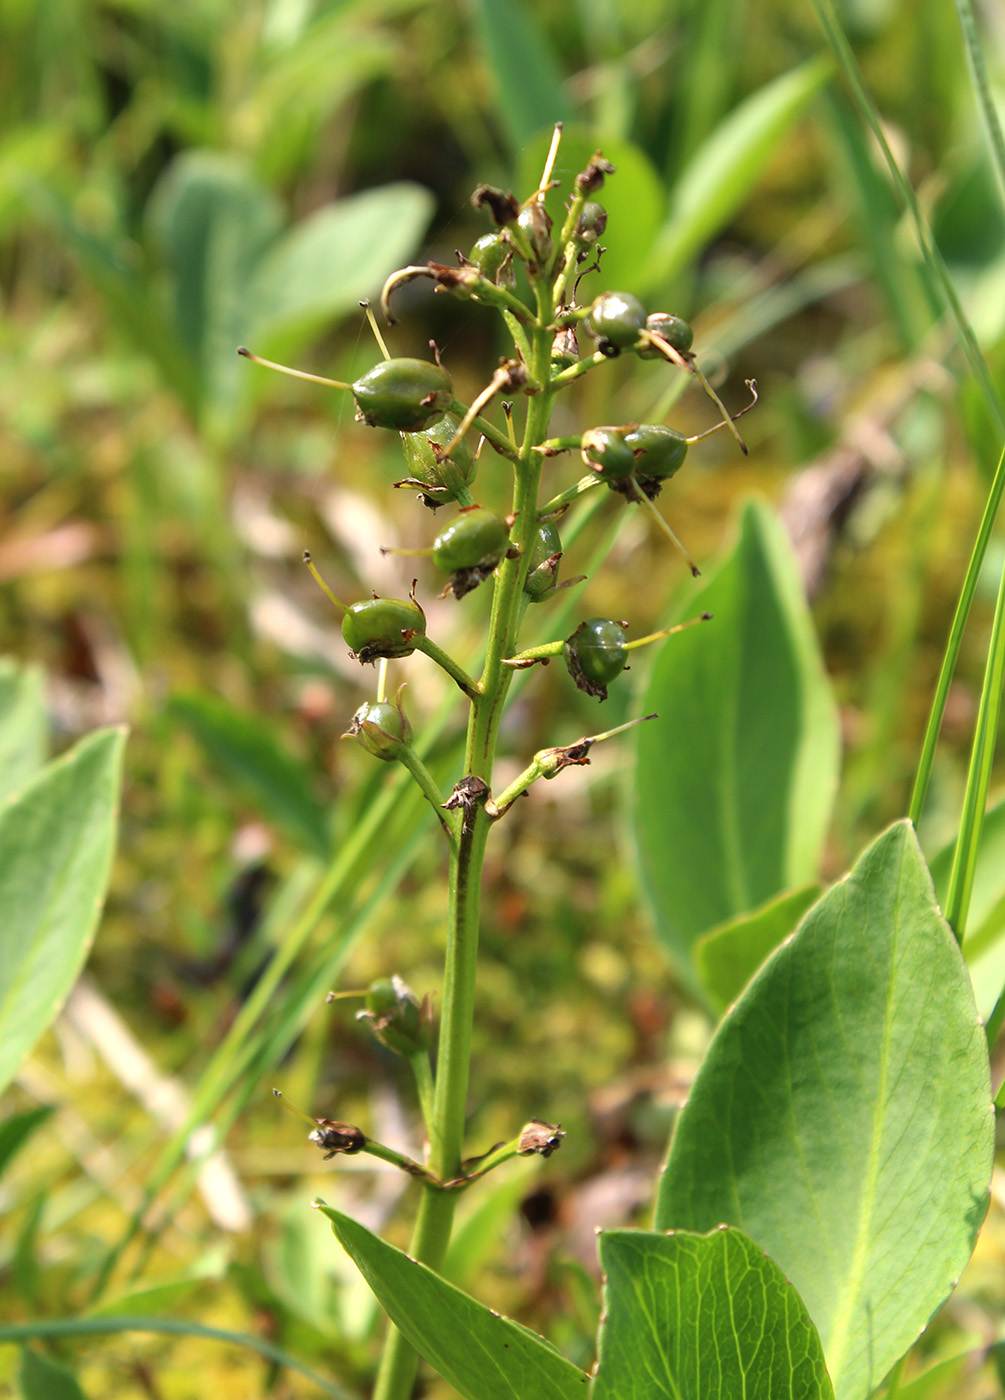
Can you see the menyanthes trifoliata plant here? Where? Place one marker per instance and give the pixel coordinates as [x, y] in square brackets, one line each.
[559, 334]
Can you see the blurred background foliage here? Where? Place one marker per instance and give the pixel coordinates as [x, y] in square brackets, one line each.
[176, 180]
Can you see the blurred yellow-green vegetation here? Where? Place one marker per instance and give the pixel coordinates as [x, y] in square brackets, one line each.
[176, 180]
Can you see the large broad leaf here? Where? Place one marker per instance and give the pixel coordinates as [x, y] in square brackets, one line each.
[57, 836]
[706, 1317]
[249, 751]
[735, 784]
[482, 1355]
[213, 220]
[23, 725]
[323, 267]
[726, 167]
[520, 61]
[842, 1117]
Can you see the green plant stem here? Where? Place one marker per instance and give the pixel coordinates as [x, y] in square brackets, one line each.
[431, 1235]
[409, 759]
[423, 1072]
[447, 663]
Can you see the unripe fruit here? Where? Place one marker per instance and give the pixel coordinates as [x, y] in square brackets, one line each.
[659, 450]
[673, 329]
[535, 223]
[425, 467]
[591, 225]
[381, 728]
[596, 654]
[542, 566]
[470, 547]
[607, 451]
[616, 319]
[396, 1016]
[491, 255]
[379, 627]
[405, 394]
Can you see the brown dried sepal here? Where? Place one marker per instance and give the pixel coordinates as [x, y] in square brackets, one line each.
[592, 178]
[540, 1138]
[502, 205]
[469, 794]
[569, 756]
[336, 1138]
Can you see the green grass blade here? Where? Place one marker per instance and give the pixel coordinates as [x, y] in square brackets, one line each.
[955, 640]
[65, 1328]
[982, 89]
[961, 881]
[932, 259]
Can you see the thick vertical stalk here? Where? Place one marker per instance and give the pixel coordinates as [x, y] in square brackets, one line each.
[431, 1235]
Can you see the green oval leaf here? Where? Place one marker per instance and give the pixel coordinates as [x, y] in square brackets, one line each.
[57, 836]
[725, 168]
[728, 956]
[41, 1379]
[323, 268]
[707, 1317]
[17, 1129]
[735, 784]
[481, 1354]
[212, 220]
[842, 1117]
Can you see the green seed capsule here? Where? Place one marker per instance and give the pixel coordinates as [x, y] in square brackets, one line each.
[382, 729]
[607, 452]
[659, 450]
[491, 255]
[470, 547]
[379, 627]
[441, 479]
[542, 566]
[616, 319]
[596, 654]
[405, 394]
[673, 329]
[535, 222]
[397, 1018]
[591, 225]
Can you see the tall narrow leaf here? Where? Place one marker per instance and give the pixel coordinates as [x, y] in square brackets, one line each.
[482, 1355]
[522, 66]
[842, 1116]
[709, 1317]
[725, 168]
[735, 783]
[57, 836]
